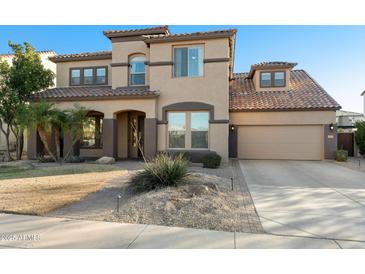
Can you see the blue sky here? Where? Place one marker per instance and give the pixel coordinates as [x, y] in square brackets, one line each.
[333, 55]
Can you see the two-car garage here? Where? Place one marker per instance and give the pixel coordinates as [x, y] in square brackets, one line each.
[296, 142]
[299, 135]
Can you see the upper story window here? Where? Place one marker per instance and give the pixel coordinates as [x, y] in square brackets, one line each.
[188, 61]
[88, 76]
[75, 77]
[272, 79]
[100, 76]
[137, 71]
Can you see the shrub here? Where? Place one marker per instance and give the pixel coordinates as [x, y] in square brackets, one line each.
[360, 136]
[212, 160]
[162, 171]
[341, 155]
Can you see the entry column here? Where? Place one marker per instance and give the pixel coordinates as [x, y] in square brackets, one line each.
[150, 137]
[110, 129]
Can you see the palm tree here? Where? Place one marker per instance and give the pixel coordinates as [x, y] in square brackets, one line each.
[77, 118]
[41, 117]
[59, 124]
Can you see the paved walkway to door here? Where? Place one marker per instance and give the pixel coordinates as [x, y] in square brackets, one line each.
[308, 198]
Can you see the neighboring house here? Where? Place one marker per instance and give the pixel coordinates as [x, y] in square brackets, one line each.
[346, 130]
[178, 93]
[363, 95]
[48, 65]
[346, 120]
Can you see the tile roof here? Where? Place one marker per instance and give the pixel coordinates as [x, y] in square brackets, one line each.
[83, 56]
[135, 32]
[304, 94]
[182, 36]
[270, 65]
[93, 93]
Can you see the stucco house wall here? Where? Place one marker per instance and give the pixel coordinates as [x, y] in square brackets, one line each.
[212, 88]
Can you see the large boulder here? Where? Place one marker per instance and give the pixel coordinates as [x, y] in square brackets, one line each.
[105, 160]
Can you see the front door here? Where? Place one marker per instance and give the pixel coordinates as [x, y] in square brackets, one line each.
[136, 132]
[141, 133]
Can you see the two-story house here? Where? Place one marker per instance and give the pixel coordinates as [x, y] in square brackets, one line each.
[178, 92]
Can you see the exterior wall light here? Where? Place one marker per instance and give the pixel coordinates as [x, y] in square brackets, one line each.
[232, 127]
[332, 127]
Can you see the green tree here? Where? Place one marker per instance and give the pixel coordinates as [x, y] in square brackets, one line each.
[360, 136]
[24, 77]
[7, 100]
[59, 123]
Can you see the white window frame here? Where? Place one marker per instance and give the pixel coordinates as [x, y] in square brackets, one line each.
[187, 46]
[187, 130]
[135, 73]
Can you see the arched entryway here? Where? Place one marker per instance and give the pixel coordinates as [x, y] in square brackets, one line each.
[130, 134]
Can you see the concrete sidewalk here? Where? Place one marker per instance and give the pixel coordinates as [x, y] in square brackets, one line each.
[22, 231]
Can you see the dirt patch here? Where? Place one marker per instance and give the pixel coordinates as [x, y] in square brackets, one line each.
[43, 194]
[205, 202]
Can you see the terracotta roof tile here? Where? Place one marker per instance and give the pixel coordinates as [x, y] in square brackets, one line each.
[154, 30]
[304, 93]
[206, 34]
[84, 55]
[93, 93]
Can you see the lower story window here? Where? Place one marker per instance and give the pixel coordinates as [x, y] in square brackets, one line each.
[177, 128]
[93, 132]
[199, 129]
[188, 130]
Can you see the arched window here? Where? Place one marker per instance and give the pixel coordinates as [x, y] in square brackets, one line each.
[137, 70]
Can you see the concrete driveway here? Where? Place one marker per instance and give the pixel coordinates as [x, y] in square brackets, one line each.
[308, 198]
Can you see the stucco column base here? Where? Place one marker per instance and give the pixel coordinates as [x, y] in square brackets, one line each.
[150, 137]
[110, 135]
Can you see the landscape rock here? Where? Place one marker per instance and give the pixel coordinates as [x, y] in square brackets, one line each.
[105, 160]
[196, 189]
[212, 186]
[195, 204]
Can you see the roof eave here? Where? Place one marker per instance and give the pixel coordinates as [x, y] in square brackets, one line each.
[286, 109]
[56, 59]
[95, 98]
[162, 30]
[175, 38]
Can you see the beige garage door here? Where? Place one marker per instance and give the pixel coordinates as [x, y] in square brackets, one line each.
[280, 142]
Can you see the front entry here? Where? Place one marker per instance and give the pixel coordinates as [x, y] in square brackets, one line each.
[130, 134]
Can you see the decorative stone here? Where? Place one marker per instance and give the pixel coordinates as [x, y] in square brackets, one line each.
[105, 160]
[197, 189]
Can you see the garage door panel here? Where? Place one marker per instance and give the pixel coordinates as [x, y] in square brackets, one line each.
[280, 142]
